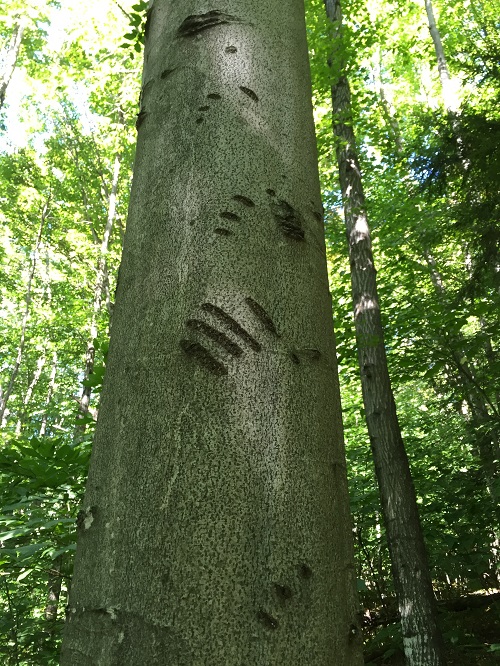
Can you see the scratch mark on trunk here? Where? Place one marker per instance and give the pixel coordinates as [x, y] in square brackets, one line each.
[289, 220]
[250, 93]
[214, 334]
[203, 356]
[196, 23]
[262, 315]
[232, 325]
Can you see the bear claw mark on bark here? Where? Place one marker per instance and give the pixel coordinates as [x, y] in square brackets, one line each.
[212, 333]
[232, 325]
[244, 200]
[289, 220]
[223, 232]
[310, 353]
[267, 620]
[203, 356]
[261, 315]
[214, 96]
[250, 93]
[229, 216]
[196, 23]
[166, 73]
[231, 49]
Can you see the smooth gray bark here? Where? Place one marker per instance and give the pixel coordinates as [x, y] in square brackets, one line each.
[412, 581]
[215, 528]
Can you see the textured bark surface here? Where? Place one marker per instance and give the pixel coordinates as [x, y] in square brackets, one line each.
[412, 581]
[216, 527]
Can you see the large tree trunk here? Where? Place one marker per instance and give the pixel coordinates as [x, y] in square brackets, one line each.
[216, 527]
[9, 59]
[412, 581]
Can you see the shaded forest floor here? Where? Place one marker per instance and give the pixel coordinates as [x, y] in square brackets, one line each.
[472, 637]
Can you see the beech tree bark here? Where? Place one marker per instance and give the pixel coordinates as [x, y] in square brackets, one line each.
[412, 580]
[215, 528]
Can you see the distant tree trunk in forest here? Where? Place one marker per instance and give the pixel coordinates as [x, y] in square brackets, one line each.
[421, 636]
[449, 94]
[29, 392]
[5, 394]
[9, 59]
[54, 590]
[99, 290]
[50, 393]
[484, 422]
[216, 527]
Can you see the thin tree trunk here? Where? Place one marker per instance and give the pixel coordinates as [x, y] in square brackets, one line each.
[5, 395]
[9, 59]
[99, 290]
[54, 590]
[50, 393]
[449, 94]
[216, 528]
[412, 581]
[29, 393]
[485, 424]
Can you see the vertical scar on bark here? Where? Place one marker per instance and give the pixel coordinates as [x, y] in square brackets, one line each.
[203, 356]
[262, 315]
[141, 117]
[232, 325]
[196, 23]
[221, 338]
[145, 89]
[288, 219]
[250, 93]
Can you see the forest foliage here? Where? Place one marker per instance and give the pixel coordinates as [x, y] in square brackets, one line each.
[431, 178]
